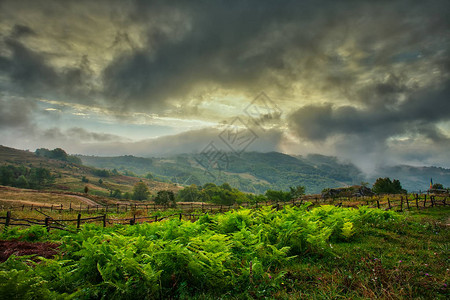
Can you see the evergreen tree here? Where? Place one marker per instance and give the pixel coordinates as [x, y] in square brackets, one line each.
[140, 191]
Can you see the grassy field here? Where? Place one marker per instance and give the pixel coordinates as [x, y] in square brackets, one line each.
[247, 254]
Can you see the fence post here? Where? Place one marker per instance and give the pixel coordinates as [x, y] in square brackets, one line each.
[425, 201]
[8, 219]
[23, 207]
[156, 218]
[78, 221]
[60, 211]
[417, 201]
[407, 202]
[104, 220]
[70, 207]
[378, 203]
[401, 203]
[389, 203]
[181, 216]
[47, 223]
[31, 207]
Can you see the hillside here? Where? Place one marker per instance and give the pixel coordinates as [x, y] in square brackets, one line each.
[68, 176]
[251, 172]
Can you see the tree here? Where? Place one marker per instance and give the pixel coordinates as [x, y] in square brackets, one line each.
[115, 194]
[278, 195]
[226, 186]
[165, 198]
[188, 194]
[140, 191]
[386, 186]
[40, 177]
[437, 186]
[297, 192]
[100, 181]
[22, 182]
[86, 189]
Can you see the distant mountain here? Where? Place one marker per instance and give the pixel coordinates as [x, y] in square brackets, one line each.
[250, 172]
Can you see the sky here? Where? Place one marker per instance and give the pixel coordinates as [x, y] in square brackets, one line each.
[365, 81]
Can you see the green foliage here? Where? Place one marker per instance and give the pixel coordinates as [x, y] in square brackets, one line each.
[24, 177]
[116, 194]
[101, 173]
[386, 186]
[438, 186]
[140, 191]
[58, 154]
[218, 254]
[297, 192]
[278, 195]
[166, 198]
[189, 194]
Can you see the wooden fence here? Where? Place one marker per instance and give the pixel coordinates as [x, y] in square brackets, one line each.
[389, 201]
[396, 202]
[65, 224]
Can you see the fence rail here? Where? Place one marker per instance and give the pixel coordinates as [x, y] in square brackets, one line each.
[388, 201]
[399, 203]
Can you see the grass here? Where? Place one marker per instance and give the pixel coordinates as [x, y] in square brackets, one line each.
[411, 261]
[18, 197]
[405, 259]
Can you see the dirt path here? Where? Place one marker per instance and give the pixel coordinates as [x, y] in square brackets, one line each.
[85, 200]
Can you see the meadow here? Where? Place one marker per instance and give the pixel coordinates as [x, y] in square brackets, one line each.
[325, 252]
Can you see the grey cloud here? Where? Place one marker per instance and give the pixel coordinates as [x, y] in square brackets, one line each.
[78, 135]
[16, 113]
[194, 141]
[380, 67]
[30, 73]
[366, 132]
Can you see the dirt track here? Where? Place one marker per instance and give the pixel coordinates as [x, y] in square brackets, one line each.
[85, 200]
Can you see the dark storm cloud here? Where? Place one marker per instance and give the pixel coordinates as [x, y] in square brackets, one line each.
[30, 73]
[375, 123]
[244, 46]
[380, 69]
[251, 45]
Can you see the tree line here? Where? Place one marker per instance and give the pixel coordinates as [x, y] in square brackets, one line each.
[25, 177]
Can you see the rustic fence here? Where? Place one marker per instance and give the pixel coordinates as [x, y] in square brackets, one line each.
[394, 202]
[70, 224]
[399, 202]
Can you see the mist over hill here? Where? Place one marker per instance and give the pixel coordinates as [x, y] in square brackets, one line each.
[256, 172]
